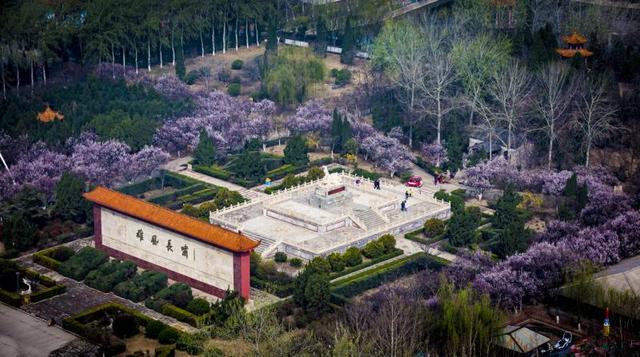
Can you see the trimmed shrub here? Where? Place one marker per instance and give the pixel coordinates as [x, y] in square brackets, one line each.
[356, 284]
[125, 325]
[178, 294]
[11, 298]
[433, 227]
[153, 329]
[48, 292]
[295, 262]
[366, 174]
[343, 76]
[352, 256]
[165, 351]
[280, 257]
[193, 344]
[79, 265]
[373, 249]
[198, 306]
[237, 64]
[234, 89]
[180, 314]
[394, 253]
[62, 254]
[42, 257]
[141, 286]
[278, 289]
[388, 241]
[168, 336]
[108, 275]
[336, 261]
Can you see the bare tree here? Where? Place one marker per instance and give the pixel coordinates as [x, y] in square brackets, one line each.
[504, 106]
[396, 323]
[436, 87]
[596, 114]
[511, 90]
[489, 126]
[400, 51]
[553, 100]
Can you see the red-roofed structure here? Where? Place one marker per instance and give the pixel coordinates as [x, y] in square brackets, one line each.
[207, 257]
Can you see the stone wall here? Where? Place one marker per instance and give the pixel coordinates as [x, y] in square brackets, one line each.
[171, 251]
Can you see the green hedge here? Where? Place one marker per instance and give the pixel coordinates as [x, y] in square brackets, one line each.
[180, 314]
[84, 261]
[142, 187]
[414, 236]
[43, 258]
[394, 253]
[77, 323]
[172, 196]
[110, 274]
[366, 174]
[357, 284]
[48, 292]
[279, 290]
[11, 298]
[52, 288]
[217, 172]
[213, 171]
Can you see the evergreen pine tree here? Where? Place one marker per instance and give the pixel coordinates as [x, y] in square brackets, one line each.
[506, 209]
[348, 46]
[272, 35]
[512, 239]
[582, 198]
[571, 188]
[205, 152]
[69, 201]
[295, 153]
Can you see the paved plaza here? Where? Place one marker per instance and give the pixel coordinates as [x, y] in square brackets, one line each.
[330, 215]
[27, 336]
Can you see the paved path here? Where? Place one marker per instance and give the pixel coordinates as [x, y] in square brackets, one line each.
[24, 335]
[179, 165]
[246, 193]
[427, 180]
[411, 247]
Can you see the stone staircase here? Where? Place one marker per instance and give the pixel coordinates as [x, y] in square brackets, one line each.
[267, 245]
[369, 218]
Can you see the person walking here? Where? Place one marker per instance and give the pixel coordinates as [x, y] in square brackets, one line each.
[406, 195]
[403, 206]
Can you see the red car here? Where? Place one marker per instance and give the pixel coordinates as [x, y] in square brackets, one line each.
[414, 181]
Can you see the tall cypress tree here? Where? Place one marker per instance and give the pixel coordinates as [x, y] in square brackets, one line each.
[181, 70]
[348, 39]
[205, 152]
[320, 46]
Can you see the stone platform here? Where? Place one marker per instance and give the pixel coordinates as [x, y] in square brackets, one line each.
[329, 215]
